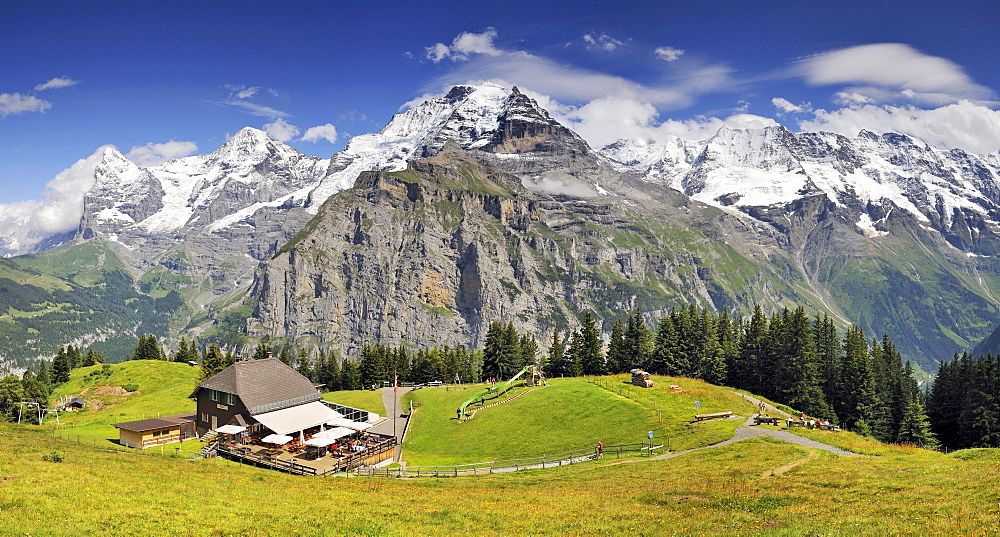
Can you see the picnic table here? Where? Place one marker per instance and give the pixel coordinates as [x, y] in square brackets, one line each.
[769, 420]
[712, 415]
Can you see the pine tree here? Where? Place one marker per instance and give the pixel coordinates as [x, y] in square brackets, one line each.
[92, 357]
[591, 348]
[857, 397]
[334, 375]
[618, 360]
[711, 361]
[572, 367]
[352, 375]
[749, 367]
[494, 351]
[305, 366]
[212, 361]
[638, 341]
[915, 426]
[665, 348]
[554, 365]
[262, 351]
[60, 367]
[148, 348]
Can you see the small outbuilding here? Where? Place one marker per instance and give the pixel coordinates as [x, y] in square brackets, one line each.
[156, 431]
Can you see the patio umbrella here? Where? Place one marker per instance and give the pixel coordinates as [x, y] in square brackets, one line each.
[344, 422]
[335, 433]
[278, 439]
[230, 429]
[319, 442]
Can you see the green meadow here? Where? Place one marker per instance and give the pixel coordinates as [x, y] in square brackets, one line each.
[59, 486]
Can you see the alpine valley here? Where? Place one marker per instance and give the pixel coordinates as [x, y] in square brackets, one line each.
[477, 206]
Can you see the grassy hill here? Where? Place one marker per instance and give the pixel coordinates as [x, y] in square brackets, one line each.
[568, 414]
[161, 389]
[53, 486]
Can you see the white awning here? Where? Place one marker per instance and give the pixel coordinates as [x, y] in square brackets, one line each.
[279, 439]
[298, 418]
[230, 429]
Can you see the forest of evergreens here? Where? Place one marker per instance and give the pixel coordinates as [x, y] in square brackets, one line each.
[806, 363]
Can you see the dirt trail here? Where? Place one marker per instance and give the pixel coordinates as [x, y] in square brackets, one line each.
[782, 469]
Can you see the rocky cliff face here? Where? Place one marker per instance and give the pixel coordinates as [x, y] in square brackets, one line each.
[434, 253]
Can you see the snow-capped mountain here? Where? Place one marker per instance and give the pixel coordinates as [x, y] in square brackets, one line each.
[201, 193]
[740, 169]
[802, 212]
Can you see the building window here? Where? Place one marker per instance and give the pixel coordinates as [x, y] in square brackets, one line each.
[213, 395]
[231, 398]
[204, 417]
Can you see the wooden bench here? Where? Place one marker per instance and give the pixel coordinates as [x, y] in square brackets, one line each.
[726, 414]
[831, 427]
[795, 423]
[770, 420]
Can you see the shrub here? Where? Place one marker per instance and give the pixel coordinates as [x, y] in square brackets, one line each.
[130, 387]
[54, 456]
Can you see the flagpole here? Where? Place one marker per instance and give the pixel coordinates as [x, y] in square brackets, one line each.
[395, 390]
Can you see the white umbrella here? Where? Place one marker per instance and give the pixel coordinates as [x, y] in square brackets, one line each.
[230, 429]
[278, 439]
[320, 442]
[335, 433]
[344, 422]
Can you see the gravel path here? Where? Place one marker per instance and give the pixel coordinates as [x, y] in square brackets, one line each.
[748, 430]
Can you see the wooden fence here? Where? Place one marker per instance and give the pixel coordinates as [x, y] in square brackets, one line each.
[505, 466]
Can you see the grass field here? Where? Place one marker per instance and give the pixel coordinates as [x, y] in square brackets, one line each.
[370, 400]
[719, 491]
[762, 486]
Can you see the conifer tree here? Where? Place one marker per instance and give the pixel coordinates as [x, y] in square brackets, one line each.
[351, 375]
[60, 367]
[555, 362]
[591, 348]
[638, 342]
[618, 360]
[212, 361]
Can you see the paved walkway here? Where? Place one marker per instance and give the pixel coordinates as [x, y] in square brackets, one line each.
[396, 417]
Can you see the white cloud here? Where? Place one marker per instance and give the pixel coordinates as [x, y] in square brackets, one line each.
[966, 125]
[27, 222]
[603, 121]
[320, 132]
[58, 82]
[153, 154]
[603, 41]
[851, 98]
[668, 54]
[253, 108]
[464, 46]
[785, 106]
[572, 84]
[895, 68]
[281, 130]
[437, 52]
[15, 103]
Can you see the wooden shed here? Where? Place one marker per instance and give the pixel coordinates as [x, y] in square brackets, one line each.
[156, 431]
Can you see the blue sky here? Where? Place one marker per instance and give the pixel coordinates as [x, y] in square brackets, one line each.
[170, 79]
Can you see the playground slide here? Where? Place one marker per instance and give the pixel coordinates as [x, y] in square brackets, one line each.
[495, 391]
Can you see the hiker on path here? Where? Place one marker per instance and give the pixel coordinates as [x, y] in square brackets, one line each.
[600, 450]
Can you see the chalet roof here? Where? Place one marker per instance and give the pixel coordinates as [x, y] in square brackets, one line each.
[263, 385]
[152, 424]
